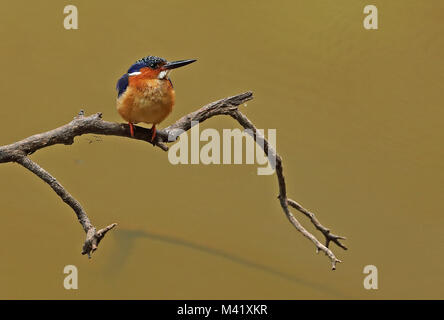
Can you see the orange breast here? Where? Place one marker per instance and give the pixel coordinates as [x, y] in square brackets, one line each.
[146, 100]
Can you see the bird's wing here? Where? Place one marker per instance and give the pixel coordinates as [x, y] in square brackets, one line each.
[122, 84]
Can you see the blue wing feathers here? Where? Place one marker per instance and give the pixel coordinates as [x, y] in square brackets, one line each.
[122, 84]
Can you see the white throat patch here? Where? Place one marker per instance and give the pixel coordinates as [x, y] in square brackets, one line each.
[163, 74]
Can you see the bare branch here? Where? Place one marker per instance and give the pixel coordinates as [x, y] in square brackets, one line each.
[284, 201]
[92, 236]
[96, 125]
[225, 106]
[325, 231]
[18, 152]
[65, 135]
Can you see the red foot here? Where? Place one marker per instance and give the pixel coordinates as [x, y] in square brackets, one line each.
[153, 132]
[131, 129]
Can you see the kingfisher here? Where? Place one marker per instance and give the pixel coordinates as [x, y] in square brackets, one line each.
[145, 93]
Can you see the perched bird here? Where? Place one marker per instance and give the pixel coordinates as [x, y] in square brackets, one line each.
[145, 92]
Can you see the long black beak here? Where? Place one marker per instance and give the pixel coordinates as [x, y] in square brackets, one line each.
[177, 64]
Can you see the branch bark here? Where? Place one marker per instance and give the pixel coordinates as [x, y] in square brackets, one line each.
[19, 151]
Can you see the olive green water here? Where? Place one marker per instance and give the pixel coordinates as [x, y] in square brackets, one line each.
[359, 122]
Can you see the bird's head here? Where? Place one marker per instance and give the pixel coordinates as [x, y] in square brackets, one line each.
[152, 67]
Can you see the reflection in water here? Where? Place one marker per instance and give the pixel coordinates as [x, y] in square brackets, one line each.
[125, 242]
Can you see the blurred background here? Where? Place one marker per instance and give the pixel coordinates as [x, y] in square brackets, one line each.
[359, 123]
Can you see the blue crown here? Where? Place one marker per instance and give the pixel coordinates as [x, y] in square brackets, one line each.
[149, 61]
